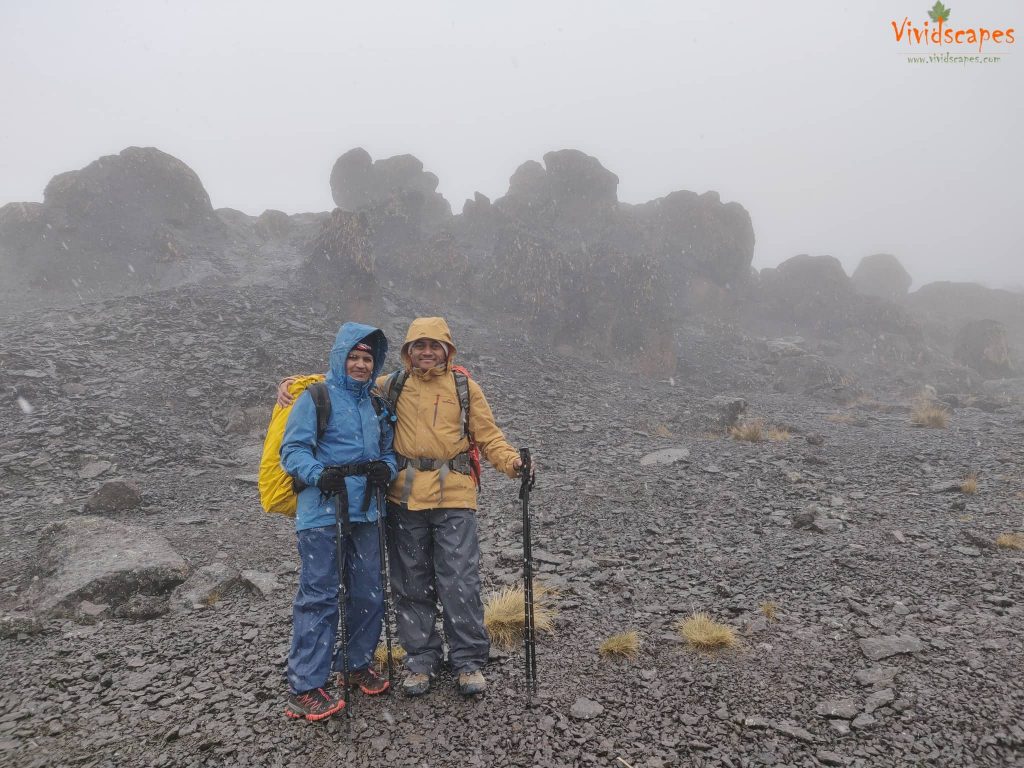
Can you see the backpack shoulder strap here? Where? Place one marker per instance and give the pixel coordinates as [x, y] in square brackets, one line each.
[462, 387]
[393, 387]
[322, 401]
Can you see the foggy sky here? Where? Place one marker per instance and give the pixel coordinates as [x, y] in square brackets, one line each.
[806, 113]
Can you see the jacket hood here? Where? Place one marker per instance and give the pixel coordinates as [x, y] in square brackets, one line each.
[428, 328]
[348, 336]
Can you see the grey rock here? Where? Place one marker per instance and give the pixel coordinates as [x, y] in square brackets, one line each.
[95, 559]
[862, 722]
[585, 709]
[879, 699]
[665, 456]
[876, 676]
[845, 709]
[830, 758]
[94, 469]
[801, 734]
[1000, 601]
[113, 496]
[263, 583]
[882, 647]
[14, 624]
[143, 607]
[826, 525]
[204, 587]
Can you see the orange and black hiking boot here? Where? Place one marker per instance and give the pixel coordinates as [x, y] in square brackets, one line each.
[367, 680]
[313, 705]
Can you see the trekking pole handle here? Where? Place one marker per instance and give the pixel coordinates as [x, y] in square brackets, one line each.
[526, 472]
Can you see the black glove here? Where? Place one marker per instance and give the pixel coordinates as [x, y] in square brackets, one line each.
[379, 473]
[332, 480]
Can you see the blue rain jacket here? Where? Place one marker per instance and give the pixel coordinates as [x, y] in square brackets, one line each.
[354, 434]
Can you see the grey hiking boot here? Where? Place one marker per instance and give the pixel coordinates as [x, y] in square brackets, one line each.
[472, 683]
[415, 684]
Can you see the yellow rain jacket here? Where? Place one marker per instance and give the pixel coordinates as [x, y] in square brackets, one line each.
[430, 427]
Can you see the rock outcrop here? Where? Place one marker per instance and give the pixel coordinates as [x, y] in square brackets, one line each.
[140, 218]
[100, 561]
[983, 346]
[881, 275]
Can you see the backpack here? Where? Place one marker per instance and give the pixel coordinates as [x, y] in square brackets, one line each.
[393, 389]
[278, 493]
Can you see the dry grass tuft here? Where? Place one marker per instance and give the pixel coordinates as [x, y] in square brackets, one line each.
[751, 432]
[969, 484]
[624, 645]
[662, 431]
[778, 434]
[770, 611]
[705, 634]
[504, 614]
[380, 656]
[928, 413]
[1010, 541]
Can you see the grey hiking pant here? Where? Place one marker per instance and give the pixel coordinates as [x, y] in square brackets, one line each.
[435, 556]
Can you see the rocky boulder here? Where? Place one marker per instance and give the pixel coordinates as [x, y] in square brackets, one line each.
[339, 271]
[881, 275]
[572, 198]
[983, 345]
[698, 235]
[100, 561]
[127, 219]
[390, 190]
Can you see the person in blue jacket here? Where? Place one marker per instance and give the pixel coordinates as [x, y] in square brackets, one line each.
[356, 434]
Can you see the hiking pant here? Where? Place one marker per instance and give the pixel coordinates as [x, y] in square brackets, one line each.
[435, 555]
[315, 610]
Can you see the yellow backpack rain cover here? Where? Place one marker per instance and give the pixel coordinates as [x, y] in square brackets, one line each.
[276, 492]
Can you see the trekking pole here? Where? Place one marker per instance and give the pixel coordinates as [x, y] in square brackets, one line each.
[529, 638]
[384, 580]
[342, 525]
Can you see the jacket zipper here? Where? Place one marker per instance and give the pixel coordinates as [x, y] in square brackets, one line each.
[436, 401]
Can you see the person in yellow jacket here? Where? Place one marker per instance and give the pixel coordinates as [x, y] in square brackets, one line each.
[434, 550]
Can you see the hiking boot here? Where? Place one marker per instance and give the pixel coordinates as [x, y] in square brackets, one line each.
[415, 684]
[472, 683]
[313, 705]
[367, 680]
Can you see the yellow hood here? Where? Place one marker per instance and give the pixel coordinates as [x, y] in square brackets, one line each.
[428, 328]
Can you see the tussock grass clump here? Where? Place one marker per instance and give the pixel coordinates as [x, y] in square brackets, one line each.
[770, 611]
[380, 656]
[705, 634]
[662, 431]
[778, 434]
[1010, 540]
[969, 484]
[750, 432]
[504, 614]
[926, 412]
[624, 645]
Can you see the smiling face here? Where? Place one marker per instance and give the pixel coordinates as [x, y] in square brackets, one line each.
[427, 353]
[359, 365]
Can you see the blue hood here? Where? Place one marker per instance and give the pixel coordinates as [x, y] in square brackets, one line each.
[348, 336]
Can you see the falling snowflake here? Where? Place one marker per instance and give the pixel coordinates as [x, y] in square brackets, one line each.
[25, 405]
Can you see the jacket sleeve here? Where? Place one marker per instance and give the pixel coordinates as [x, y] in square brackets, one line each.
[491, 440]
[299, 442]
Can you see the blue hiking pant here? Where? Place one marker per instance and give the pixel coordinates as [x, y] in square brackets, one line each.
[315, 610]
